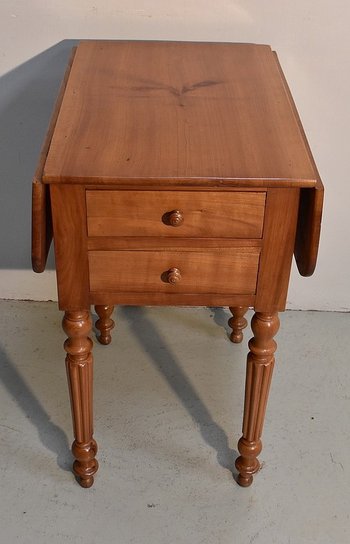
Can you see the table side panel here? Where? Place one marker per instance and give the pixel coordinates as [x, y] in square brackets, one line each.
[70, 241]
[281, 217]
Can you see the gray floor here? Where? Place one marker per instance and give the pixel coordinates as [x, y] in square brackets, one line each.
[168, 407]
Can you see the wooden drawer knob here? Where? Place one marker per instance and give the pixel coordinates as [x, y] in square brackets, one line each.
[173, 275]
[174, 218]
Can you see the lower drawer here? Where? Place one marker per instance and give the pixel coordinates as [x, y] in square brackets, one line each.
[229, 271]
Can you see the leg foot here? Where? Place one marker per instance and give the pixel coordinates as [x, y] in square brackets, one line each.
[85, 465]
[77, 325]
[104, 324]
[258, 379]
[244, 481]
[86, 483]
[237, 323]
[247, 464]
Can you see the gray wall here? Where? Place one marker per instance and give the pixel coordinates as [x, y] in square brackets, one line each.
[27, 95]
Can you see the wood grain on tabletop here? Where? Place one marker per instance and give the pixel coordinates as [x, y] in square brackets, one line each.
[177, 111]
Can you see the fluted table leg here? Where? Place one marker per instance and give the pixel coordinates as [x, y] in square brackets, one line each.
[79, 363]
[258, 378]
[237, 323]
[104, 324]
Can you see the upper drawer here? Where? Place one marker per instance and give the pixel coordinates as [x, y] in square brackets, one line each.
[175, 213]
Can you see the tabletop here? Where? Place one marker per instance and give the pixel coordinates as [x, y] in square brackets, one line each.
[138, 111]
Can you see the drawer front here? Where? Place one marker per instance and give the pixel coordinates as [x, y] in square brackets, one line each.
[175, 213]
[233, 271]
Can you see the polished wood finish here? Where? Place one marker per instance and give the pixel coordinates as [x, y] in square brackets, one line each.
[173, 276]
[104, 324]
[218, 215]
[171, 299]
[177, 111]
[277, 251]
[77, 326]
[233, 271]
[259, 372]
[109, 243]
[237, 323]
[69, 220]
[41, 208]
[41, 226]
[174, 218]
[308, 229]
[176, 174]
[311, 206]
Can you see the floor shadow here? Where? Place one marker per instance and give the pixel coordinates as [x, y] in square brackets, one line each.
[51, 436]
[220, 317]
[166, 363]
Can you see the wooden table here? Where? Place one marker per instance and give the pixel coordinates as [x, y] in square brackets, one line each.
[174, 173]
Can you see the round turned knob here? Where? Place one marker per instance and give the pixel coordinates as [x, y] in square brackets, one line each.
[173, 276]
[175, 218]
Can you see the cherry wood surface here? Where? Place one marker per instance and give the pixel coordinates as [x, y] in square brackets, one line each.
[41, 226]
[104, 324]
[159, 243]
[79, 365]
[151, 111]
[170, 299]
[237, 323]
[308, 229]
[310, 210]
[175, 213]
[232, 271]
[277, 251]
[179, 174]
[70, 242]
[260, 365]
[41, 208]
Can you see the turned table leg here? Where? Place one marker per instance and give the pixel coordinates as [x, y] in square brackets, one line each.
[237, 323]
[258, 378]
[104, 324]
[77, 325]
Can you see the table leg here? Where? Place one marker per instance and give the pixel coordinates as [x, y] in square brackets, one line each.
[79, 363]
[105, 324]
[237, 323]
[258, 378]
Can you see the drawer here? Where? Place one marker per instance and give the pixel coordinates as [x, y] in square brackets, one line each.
[175, 213]
[232, 271]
